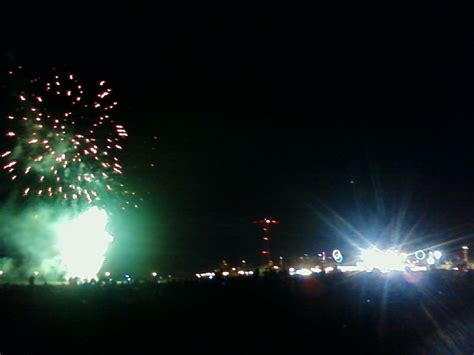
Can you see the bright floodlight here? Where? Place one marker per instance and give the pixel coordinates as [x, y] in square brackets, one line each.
[82, 243]
[437, 254]
[154, 274]
[107, 274]
[465, 247]
[383, 260]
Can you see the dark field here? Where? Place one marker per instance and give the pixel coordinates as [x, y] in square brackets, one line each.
[367, 313]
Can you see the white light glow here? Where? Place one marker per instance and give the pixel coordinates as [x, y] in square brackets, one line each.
[303, 272]
[209, 275]
[348, 268]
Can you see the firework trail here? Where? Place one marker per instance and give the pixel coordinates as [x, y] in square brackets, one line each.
[62, 142]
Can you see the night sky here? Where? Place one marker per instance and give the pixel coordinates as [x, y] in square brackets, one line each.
[275, 109]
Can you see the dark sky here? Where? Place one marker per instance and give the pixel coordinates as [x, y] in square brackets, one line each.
[271, 109]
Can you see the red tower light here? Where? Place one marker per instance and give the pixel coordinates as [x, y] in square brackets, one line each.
[265, 225]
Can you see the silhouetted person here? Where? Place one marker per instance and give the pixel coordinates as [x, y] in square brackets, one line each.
[31, 280]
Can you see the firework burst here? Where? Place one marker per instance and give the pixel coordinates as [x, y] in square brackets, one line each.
[63, 143]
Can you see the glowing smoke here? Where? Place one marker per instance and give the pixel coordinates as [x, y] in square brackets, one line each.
[82, 243]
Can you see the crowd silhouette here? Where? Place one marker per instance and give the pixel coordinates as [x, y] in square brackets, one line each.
[418, 312]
